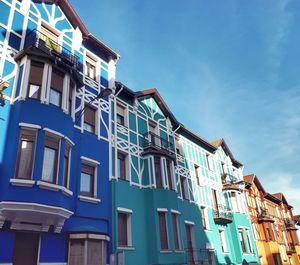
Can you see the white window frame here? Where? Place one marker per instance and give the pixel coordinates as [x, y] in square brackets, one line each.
[223, 240]
[128, 213]
[97, 64]
[127, 165]
[249, 241]
[177, 214]
[165, 212]
[122, 105]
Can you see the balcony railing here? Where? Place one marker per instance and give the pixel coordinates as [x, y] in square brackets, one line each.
[222, 215]
[290, 248]
[151, 140]
[289, 224]
[200, 256]
[228, 178]
[52, 48]
[264, 216]
[231, 183]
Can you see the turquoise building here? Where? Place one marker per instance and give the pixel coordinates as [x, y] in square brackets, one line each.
[177, 199]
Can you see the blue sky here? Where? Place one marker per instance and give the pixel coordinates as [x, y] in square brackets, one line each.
[226, 69]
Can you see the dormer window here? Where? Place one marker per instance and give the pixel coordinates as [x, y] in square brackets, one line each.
[91, 65]
[56, 89]
[35, 79]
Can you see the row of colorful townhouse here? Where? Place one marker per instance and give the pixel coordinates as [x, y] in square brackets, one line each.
[93, 173]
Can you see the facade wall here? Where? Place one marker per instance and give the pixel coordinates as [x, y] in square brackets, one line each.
[56, 209]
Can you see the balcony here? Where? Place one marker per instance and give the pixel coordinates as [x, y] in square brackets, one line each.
[200, 256]
[289, 224]
[222, 215]
[154, 144]
[51, 48]
[290, 248]
[264, 216]
[231, 183]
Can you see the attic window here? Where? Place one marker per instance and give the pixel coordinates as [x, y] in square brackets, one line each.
[91, 66]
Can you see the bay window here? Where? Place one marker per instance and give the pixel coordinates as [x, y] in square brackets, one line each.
[26, 154]
[170, 175]
[158, 174]
[50, 159]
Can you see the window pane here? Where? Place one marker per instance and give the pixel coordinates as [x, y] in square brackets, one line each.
[121, 166]
[66, 169]
[85, 184]
[77, 252]
[55, 97]
[87, 127]
[57, 81]
[25, 160]
[34, 91]
[49, 167]
[170, 177]
[158, 176]
[94, 252]
[122, 229]
[176, 232]
[163, 231]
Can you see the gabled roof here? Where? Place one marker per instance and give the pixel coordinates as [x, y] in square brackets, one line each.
[282, 198]
[252, 178]
[272, 198]
[75, 20]
[152, 92]
[221, 142]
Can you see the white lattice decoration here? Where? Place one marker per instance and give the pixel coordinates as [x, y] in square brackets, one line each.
[90, 82]
[122, 145]
[182, 171]
[180, 158]
[135, 150]
[122, 129]
[104, 105]
[88, 97]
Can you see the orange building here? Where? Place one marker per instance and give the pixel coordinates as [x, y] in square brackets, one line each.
[274, 231]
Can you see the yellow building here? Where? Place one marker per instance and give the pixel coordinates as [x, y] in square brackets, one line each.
[270, 215]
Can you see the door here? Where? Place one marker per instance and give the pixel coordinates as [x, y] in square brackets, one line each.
[190, 244]
[26, 249]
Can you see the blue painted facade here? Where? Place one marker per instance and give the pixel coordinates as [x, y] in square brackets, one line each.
[57, 211]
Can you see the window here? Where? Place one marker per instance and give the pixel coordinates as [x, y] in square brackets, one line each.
[67, 161]
[184, 187]
[152, 127]
[122, 166]
[196, 168]
[208, 161]
[175, 222]
[223, 240]
[158, 175]
[121, 114]
[91, 67]
[164, 244]
[56, 89]
[234, 201]
[50, 160]
[170, 175]
[269, 233]
[203, 218]
[70, 97]
[215, 199]
[178, 146]
[89, 119]
[124, 229]
[87, 180]
[83, 251]
[277, 259]
[249, 241]
[26, 154]
[35, 79]
[242, 240]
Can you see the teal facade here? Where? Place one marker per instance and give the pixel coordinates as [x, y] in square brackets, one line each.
[152, 143]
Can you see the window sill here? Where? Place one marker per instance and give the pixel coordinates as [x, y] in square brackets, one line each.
[54, 187]
[126, 248]
[48, 186]
[165, 251]
[88, 199]
[179, 251]
[22, 182]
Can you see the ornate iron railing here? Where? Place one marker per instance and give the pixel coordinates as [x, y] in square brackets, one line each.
[150, 139]
[289, 223]
[223, 214]
[46, 44]
[228, 179]
[291, 247]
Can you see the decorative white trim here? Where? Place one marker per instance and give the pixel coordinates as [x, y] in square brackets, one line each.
[174, 211]
[66, 191]
[165, 251]
[162, 210]
[22, 182]
[48, 186]
[189, 222]
[51, 263]
[69, 140]
[126, 248]
[88, 199]
[89, 236]
[124, 210]
[54, 132]
[89, 160]
[29, 125]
